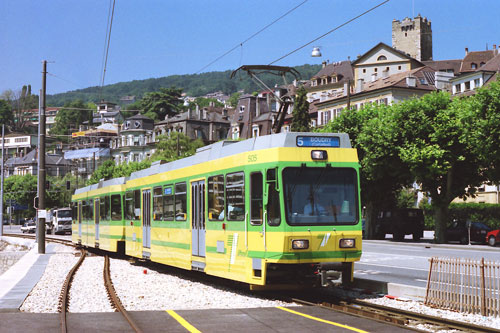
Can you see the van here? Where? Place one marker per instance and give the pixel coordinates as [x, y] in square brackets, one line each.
[400, 222]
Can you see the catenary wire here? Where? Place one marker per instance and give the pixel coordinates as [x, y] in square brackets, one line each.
[329, 32]
[107, 49]
[252, 36]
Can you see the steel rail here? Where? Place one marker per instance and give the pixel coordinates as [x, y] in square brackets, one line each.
[115, 300]
[64, 297]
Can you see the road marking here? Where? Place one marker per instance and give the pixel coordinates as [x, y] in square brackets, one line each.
[398, 267]
[322, 320]
[183, 322]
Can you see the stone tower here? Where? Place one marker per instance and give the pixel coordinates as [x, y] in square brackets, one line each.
[413, 37]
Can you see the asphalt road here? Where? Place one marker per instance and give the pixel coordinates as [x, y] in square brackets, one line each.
[408, 263]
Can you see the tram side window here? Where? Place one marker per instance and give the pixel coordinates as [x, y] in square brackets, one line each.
[235, 196]
[129, 205]
[116, 207]
[102, 208]
[74, 211]
[180, 202]
[273, 203]
[157, 204]
[168, 204]
[216, 198]
[107, 207]
[91, 209]
[137, 205]
[256, 192]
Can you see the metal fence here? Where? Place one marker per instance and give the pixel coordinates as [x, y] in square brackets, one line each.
[464, 285]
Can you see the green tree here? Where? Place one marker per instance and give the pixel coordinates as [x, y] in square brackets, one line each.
[158, 104]
[233, 100]
[381, 172]
[203, 102]
[301, 121]
[175, 146]
[70, 117]
[22, 190]
[109, 170]
[437, 149]
[6, 117]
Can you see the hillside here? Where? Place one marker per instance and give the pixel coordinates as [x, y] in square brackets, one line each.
[193, 85]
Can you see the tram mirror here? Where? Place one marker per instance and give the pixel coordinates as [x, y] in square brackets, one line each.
[266, 196]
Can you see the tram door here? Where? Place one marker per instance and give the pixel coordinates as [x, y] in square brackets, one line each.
[96, 219]
[80, 220]
[198, 217]
[146, 218]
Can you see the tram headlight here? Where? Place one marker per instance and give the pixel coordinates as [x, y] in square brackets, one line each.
[319, 155]
[300, 244]
[347, 243]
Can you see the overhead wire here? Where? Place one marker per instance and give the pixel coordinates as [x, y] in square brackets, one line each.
[252, 36]
[329, 32]
[108, 35]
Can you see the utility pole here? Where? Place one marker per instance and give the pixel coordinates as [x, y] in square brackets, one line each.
[1, 183]
[41, 164]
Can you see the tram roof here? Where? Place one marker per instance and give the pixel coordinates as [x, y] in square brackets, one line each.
[219, 150]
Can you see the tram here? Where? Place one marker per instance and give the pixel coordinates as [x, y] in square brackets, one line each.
[275, 210]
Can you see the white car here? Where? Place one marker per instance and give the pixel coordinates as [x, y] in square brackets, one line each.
[29, 227]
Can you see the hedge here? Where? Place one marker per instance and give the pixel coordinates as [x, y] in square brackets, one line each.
[489, 214]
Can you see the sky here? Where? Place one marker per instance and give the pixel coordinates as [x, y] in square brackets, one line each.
[156, 38]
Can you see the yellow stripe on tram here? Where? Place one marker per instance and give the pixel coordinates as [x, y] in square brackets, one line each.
[183, 322]
[322, 320]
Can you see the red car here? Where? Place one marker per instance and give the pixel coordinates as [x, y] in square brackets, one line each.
[493, 237]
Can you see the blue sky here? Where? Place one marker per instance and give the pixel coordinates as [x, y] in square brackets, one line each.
[155, 38]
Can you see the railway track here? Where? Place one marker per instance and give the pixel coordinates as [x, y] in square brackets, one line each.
[395, 316]
[108, 283]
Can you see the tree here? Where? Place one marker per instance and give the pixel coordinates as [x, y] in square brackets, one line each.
[175, 146]
[158, 104]
[109, 170]
[22, 190]
[233, 100]
[301, 121]
[203, 102]
[381, 172]
[70, 117]
[5, 112]
[438, 150]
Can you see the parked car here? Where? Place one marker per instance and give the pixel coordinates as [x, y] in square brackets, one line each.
[29, 227]
[493, 237]
[459, 231]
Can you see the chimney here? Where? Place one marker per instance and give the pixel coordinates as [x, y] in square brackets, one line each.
[466, 50]
[323, 64]
[374, 76]
[346, 88]
[411, 81]
[359, 86]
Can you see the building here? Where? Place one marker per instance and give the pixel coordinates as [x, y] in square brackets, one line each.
[252, 117]
[135, 141]
[56, 165]
[477, 70]
[413, 37]
[209, 124]
[19, 144]
[107, 112]
[387, 90]
[31, 116]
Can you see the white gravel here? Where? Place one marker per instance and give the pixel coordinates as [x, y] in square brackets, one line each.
[162, 291]
[44, 297]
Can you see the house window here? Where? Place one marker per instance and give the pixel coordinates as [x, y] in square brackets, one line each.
[457, 88]
[255, 131]
[477, 83]
[481, 64]
[382, 58]
[375, 70]
[399, 68]
[242, 108]
[467, 85]
[364, 70]
[473, 65]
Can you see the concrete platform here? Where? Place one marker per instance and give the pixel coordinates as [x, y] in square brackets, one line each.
[293, 319]
[18, 281]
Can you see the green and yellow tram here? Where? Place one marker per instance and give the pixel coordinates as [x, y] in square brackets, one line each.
[273, 210]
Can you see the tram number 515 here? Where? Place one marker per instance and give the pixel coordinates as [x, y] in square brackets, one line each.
[252, 158]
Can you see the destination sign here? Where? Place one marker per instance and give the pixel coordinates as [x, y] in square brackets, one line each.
[167, 191]
[318, 141]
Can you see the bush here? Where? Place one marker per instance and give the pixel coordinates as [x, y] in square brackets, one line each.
[489, 214]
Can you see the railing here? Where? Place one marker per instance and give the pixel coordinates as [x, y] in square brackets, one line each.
[464, 285]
